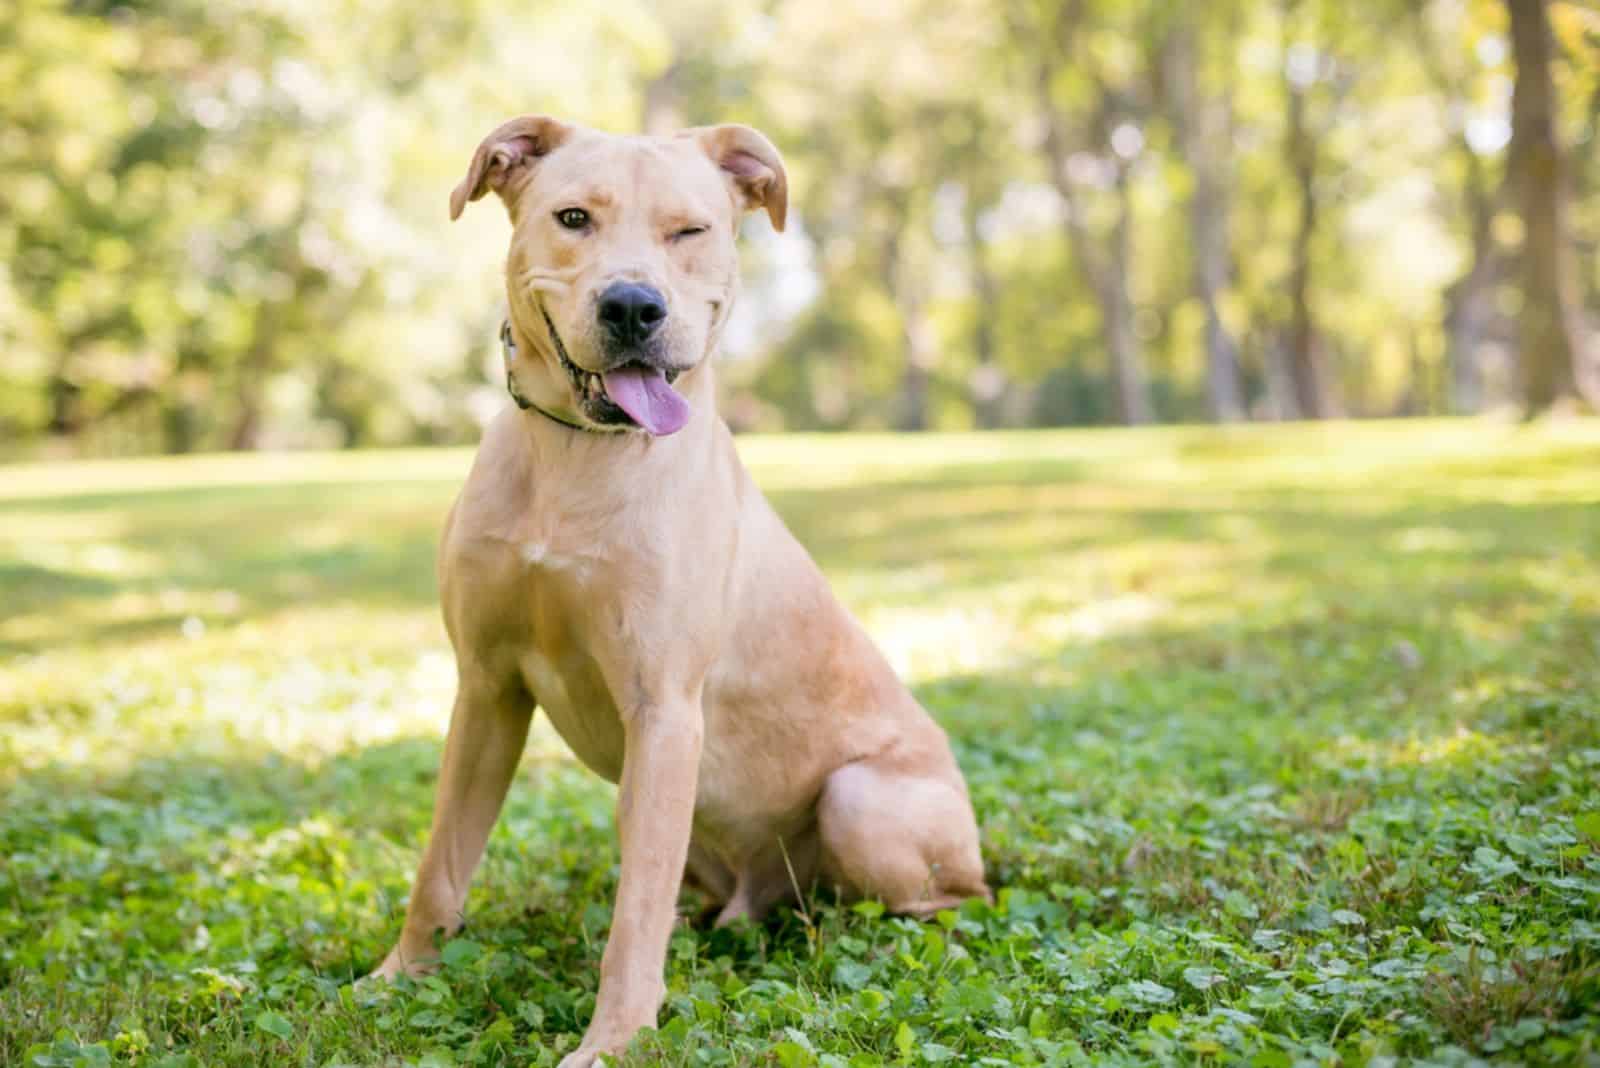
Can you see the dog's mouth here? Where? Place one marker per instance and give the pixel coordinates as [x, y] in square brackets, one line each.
[634, 393]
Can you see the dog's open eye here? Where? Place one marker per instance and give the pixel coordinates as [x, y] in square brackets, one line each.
[689, 231]
[573, 218]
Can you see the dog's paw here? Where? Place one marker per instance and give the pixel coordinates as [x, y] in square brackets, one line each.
[585, 1056]
[397, 964]
[604, 1044]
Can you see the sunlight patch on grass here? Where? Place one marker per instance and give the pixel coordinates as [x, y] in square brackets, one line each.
[1569, 578]
[1122, 614]
[171, 609]
[217, 696]
[1440, 539]
[932, 644]
[90, 544]
[1462, 748]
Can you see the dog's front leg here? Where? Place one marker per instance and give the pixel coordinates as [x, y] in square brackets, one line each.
[487, 732]
[655, 812]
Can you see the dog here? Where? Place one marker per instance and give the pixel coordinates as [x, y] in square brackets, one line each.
[610, 561]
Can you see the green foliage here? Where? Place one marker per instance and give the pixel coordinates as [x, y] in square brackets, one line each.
[1284, 745]
[222, 220]
[222, 224]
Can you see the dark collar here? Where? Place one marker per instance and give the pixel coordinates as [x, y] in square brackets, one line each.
[508, 347]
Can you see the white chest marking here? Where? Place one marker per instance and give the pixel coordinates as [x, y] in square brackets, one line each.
[539, 554]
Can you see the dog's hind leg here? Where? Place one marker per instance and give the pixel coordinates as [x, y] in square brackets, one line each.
[488, 729]
[903, 835]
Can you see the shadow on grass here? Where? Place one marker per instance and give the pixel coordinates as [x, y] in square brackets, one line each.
[258, 550]
[1402, 547]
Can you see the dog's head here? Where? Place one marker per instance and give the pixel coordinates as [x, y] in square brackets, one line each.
[623, 267]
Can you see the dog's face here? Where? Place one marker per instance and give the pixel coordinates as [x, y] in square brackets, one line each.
[623, 266]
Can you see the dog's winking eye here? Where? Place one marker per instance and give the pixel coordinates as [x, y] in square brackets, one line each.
[573, 218]
[689, 231]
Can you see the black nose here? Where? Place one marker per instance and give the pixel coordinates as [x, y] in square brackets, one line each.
[631, 312]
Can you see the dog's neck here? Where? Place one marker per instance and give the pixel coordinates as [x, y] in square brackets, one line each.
[574, 483]
[508, 349]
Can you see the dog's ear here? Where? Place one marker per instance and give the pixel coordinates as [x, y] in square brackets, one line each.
[505, 154]
[752, 164]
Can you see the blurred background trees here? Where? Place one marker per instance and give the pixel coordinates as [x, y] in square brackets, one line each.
[222, 223]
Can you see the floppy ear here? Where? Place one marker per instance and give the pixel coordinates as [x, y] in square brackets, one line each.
[513, 145]
[752, 164]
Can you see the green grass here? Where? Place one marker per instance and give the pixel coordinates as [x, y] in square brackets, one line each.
[1284, 743]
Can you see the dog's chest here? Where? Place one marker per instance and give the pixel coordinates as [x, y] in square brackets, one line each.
[603, 605]
[571, 692]
[545, 554]
[558, 663]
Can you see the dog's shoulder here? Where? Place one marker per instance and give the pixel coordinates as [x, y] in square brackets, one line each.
[479, 574]
[498, 486]
[481, 533]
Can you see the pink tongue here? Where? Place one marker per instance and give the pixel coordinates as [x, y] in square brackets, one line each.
[644, 394]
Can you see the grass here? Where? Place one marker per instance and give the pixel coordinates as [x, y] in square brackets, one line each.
[1284, 743]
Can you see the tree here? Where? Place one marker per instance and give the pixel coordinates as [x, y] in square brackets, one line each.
[1204, 124]
[220, 223]
[976, 158]
[1445, 48]
[1547, 338]
[1093, 148]
[1306, 62]
[987, 384]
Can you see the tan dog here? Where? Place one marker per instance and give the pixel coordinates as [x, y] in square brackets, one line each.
[623, 573]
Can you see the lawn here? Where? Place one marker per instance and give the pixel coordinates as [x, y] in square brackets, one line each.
[1284, 743]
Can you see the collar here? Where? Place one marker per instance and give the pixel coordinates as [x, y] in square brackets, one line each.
[508, 347]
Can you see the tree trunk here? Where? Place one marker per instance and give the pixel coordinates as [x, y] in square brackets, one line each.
[919, 355]
[1468, 301]
[1204, 127]
[1106, 279]
[1467, 317]
[66, 418]
[1547, 336]
[918, 346]
[246, 434]
[1469, 314]
[180, 422]
[1420, 397]
[1279, 400]
[1313, 392]
[1116, 312]
[1209, 227]
[1582, 175]
[988, 380]
[179, 430]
